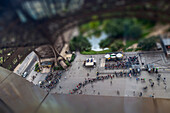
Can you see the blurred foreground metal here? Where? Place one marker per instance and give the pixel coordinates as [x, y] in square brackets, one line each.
[20, 96]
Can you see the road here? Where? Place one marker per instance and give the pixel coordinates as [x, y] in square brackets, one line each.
[27, 66]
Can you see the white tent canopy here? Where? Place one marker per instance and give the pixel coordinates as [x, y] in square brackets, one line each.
[107, 56]
[113, 55]
[119, 55]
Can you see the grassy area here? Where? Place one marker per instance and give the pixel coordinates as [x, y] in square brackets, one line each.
[95, 52]
[130, 43]
[138, 49]
[144, 35]
[128, 50]
[147, 29]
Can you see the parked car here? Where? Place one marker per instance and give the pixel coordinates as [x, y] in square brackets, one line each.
[25, 74]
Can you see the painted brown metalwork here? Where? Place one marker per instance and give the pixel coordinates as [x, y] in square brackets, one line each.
[11, 57]
[30, 23]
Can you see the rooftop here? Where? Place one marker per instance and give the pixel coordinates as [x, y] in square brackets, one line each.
[166, 41]
[46, 63]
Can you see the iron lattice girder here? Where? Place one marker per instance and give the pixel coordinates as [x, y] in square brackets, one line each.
[47, 30]
[22, 36]
[16, 57]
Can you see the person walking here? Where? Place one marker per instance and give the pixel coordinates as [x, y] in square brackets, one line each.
[133, 93]
[156, 70]
[164, 83]
[98, 93]
[60, 87]
[110, 82]
[118, 93]
[140, 94]
[153, 95]
[164, 79]
[92, 85]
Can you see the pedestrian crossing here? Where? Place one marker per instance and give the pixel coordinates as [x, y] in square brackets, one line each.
[102, 64]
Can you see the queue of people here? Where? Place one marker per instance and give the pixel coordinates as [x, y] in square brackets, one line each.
[98, 78]
[80, 85]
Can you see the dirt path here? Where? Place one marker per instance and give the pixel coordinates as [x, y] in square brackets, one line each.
[159, 30]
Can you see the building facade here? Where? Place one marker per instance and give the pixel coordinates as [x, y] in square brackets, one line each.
[165, 41]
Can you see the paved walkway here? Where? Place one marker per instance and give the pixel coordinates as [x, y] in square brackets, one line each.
[77, 73]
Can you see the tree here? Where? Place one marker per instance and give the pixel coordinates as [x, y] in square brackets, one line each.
[118, 28]
[134, 32]
[93, 26]
[113, 28]
[105, 43]
[115, 46]
[147, 43]
[79, 43]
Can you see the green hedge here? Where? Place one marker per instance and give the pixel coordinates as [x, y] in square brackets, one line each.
[148, 44]
[58, 68]
[73, 57]
[37, 67]
[95, 52]
[67, 63]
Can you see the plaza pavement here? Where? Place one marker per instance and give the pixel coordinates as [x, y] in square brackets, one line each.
[77, 73]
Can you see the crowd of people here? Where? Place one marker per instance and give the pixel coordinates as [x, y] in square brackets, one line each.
[133, 60]
[51, 80]
[117, 65]
[122, 64]
[159, 79]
